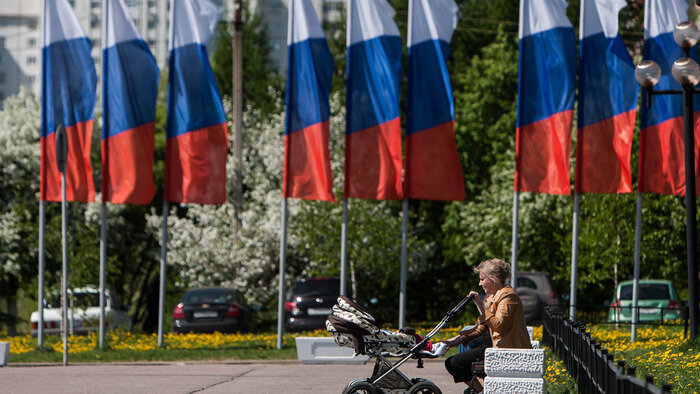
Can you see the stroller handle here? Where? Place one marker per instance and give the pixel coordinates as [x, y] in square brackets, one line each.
[414, 350]
[444, 320]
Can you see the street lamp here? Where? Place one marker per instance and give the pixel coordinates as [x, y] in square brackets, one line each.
[687, 72]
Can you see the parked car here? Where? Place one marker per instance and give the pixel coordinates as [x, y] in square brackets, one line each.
[212, 309]
[658, 301]
[83, 312]
[536, 292]
[310, 303]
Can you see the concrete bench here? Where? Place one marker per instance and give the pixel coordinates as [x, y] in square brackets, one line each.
[324, 350]
[4, 353]
[514, 371]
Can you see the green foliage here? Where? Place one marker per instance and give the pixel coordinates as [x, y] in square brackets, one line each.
[485, 106]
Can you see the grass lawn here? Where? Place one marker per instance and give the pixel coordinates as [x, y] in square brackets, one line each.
[131, 347]
[127, 347]
[37, 356]
[658, 351]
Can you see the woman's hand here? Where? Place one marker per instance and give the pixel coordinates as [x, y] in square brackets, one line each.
[478, 302]
[454, 341]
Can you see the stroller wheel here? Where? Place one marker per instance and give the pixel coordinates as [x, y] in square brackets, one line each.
[361, 386]
[424, 387]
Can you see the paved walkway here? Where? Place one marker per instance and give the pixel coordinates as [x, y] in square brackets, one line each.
[207, 377]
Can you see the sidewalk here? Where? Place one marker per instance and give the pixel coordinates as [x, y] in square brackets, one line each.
[208, 377]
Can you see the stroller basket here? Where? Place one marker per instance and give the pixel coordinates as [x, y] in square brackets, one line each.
[351, 325]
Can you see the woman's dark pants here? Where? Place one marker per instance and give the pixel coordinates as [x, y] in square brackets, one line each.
[460, 365]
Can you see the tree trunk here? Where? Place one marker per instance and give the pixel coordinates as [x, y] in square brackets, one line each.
[12, 311]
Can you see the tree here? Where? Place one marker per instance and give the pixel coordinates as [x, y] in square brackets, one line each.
[261, 83]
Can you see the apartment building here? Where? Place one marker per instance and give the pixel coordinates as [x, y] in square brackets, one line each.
[20, 47]
[21, 41]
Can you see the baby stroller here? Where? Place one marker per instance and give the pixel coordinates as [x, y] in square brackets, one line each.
[351, 325]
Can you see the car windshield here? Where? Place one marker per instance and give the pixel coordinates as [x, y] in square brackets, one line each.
[318, 287]
[85, 300]
[79, 300]
[209, 295]
[526, 282]
[647, 291]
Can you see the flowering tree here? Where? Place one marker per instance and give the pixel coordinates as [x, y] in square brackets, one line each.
[204, 252]
[19, 188]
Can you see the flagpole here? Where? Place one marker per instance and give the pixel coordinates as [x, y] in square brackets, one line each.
[637, 258]
[103, 256]
[163, 261]
[103, 210]
[514, 241]
[344, 225]
[40, 284]
[402, 287]
[237, 98]
[344, 249]
[64, 270]
[42, 216]
[283, 262]
[404, 217]
[574, 257]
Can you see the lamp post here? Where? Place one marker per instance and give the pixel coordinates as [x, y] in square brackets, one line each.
[687, 72]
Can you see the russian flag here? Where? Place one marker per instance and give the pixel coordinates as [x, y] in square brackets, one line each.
[130, 87]
[373, 159]
[433, 168]
[546, 82]
[68, 98]
[197, 135]
[607, 102]
[661, 152]
[307, 163]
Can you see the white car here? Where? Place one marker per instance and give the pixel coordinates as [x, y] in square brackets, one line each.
[83, 314]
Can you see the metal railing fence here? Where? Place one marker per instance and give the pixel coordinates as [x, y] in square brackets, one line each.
[591, 365]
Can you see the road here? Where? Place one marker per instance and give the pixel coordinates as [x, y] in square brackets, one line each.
[206, 377]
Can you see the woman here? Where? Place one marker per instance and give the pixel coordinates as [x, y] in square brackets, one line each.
[500, 315]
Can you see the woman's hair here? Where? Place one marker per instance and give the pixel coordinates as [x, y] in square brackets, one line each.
[495, 269]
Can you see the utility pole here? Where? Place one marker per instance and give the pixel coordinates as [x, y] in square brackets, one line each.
[237, 98]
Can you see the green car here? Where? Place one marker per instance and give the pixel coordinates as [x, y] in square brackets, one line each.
[658, 301]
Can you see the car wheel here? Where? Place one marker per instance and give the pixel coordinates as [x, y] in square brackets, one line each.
[360, 386]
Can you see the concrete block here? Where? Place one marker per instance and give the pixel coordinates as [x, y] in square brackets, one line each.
[530, 331]
[516, 363]
[324, 350]
[4, 353]
[514, 385]
[535, 344]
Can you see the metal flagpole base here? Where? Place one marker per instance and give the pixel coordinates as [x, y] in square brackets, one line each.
[574, 257]
[163, 261]
[344, 250]
[283, 260]
[103, 257]
[404, 268]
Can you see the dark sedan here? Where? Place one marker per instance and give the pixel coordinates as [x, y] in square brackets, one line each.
[211, 310]
[310, 303]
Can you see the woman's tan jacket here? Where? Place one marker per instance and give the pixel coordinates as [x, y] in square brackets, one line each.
[504, 319]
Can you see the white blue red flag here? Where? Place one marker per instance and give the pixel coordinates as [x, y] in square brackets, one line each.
[130, 88]
[607, 102]
[661, 152]
[373, 160]
[197, 135]
[307, 164]
[67, 98]
[433, 168]
[546, 83]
